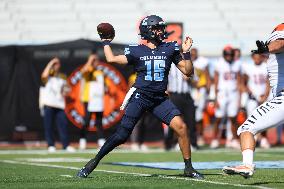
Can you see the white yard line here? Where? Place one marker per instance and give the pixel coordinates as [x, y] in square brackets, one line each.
[70, 176]
[88, 151]
[93, 151]
[131, 173]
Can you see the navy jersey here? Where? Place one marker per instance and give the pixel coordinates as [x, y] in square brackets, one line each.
[153, 65]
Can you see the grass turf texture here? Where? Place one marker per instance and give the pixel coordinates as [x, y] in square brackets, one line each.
[15, 175]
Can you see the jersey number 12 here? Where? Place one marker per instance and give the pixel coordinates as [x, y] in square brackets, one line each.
[159, 69]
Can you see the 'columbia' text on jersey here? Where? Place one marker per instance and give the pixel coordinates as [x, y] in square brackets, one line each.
[153, 65]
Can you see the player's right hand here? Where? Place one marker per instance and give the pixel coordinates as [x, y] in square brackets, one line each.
[92, 58]
[54, 61]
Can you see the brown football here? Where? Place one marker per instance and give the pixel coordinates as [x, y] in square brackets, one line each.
[106, 31]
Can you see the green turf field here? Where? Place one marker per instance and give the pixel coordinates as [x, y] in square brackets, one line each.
[38, 169]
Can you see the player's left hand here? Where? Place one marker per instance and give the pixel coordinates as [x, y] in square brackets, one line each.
[261, 48]
[186, 45]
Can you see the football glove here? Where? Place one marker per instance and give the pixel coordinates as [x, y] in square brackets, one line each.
[261, 48]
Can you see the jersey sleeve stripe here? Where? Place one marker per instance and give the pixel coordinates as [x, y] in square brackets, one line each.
[276, 35]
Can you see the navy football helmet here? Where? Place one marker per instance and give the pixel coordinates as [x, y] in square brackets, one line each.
[149, 27]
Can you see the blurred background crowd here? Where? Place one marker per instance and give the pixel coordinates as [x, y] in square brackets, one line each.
[214, 102]
[48, 84]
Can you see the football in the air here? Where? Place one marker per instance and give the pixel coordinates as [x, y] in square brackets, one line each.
[106, 31]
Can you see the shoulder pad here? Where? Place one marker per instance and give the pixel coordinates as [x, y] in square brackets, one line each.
[174, 44]
[129, 48]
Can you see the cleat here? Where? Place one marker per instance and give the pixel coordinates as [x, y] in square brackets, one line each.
[134, 147]
[200, 141]
[264, 143]
[83, 173]
[144, 148]
[82, 144]
[244, 170]
[235, 144]
[192, 173]
[70, 149]
[214, 144]
[51, 149]
[101, 142]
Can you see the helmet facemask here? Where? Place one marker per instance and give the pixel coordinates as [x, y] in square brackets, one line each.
[158, 33]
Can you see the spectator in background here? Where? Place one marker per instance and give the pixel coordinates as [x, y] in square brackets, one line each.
[279, 134]
[92, 97]
[256, 85]
[227, 82]
[53, 100]
[179, 89]
[201, 83]
[237, 54]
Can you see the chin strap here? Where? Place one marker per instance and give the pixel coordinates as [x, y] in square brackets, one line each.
[156, 42]
[167, 34]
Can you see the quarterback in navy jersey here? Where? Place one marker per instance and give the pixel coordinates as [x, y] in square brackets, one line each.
[152, 62]
[153, 65]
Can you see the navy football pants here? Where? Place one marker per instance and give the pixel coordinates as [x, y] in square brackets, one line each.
[139, 102]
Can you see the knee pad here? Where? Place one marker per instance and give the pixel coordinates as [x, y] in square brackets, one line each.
[125, 129]
[118, 138]
[122, 134]
[128, 122]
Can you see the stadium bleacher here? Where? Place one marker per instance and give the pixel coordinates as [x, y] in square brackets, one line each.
[211, 23]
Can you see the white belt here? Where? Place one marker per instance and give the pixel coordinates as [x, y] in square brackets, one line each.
[127, 97]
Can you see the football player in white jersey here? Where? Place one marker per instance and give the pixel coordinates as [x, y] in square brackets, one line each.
[201, 86]
[237, 54]
[256, 85]
[227, 89]
[270, 113]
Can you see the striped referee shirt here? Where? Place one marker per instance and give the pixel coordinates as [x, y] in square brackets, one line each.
[177, 83]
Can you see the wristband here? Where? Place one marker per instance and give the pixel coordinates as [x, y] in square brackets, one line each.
[106, 42]
[186, 55]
